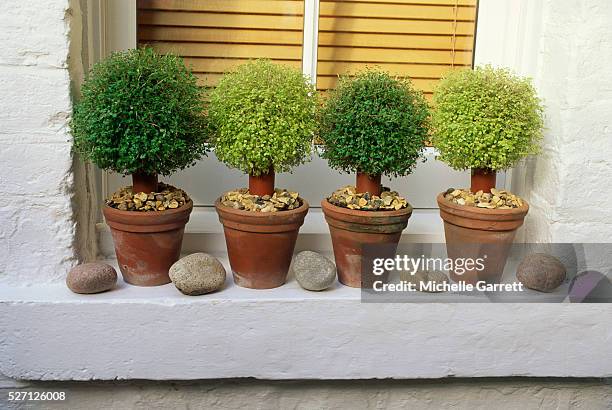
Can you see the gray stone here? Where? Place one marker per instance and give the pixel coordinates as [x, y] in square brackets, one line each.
[420, 278]
[540, 271]
[94, 277]
[417, 278]
[436, 277]
[313, 271]
[197, 274]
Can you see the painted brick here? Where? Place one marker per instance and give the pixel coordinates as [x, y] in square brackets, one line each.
[568, 191]
[37, 241]
[46, 177]
[34, 100]
[36, 183]
[34, 32]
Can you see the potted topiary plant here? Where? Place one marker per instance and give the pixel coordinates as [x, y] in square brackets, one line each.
[486, 120]
[142, 114]
[372, 124]
[262, 118]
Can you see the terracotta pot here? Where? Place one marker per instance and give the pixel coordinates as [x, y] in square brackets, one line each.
[352, 229]
[473, 232]
[260, 244]
[147, 243]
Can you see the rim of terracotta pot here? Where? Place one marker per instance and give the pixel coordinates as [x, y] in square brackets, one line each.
[366, 221]
[281, 221]
[483, 213]
[481, 218]
[359, 213]
[147, 221]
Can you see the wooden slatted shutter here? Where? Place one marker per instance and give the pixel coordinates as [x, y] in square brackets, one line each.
[216, 35]
[420, 39]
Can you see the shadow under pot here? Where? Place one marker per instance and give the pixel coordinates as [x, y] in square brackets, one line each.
[353, 230]
[147, 243]
[260, 245]
[479, 233]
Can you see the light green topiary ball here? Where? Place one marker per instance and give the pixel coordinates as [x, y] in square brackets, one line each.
[486, 118]
[262, 116]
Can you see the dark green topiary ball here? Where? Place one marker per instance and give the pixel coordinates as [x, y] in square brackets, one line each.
[374, 123]
[140, 112]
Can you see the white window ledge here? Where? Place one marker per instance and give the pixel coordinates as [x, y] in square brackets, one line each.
[49, 333]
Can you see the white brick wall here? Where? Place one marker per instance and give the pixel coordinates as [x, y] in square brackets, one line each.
[569, 185]
[37, 228]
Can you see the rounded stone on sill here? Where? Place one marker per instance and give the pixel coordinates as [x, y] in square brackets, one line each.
[313, 271]
[94, 277]
[197, 274]
[437, 278]
[421, 278]
[416, 278]
[540, 271]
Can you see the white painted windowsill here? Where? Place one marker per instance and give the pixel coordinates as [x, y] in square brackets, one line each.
[49, 333]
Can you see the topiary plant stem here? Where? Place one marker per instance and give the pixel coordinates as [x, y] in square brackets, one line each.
[368, 183]
[144, 182]
[483, 179]
[262, 184]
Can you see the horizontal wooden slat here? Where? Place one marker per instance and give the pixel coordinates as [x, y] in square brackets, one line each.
[187, 19]
[395, 11]
[217, 35]
[425, 85]
[393, 26]
[395, 41]
[325, 53]
[410, 70]
[222, 65]
[213, 35]
[382, 55]
[461, 3]
[435, 9]
[323, 94]
[294, 7]
[234, 51]
[208, 79]
[323, 83]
